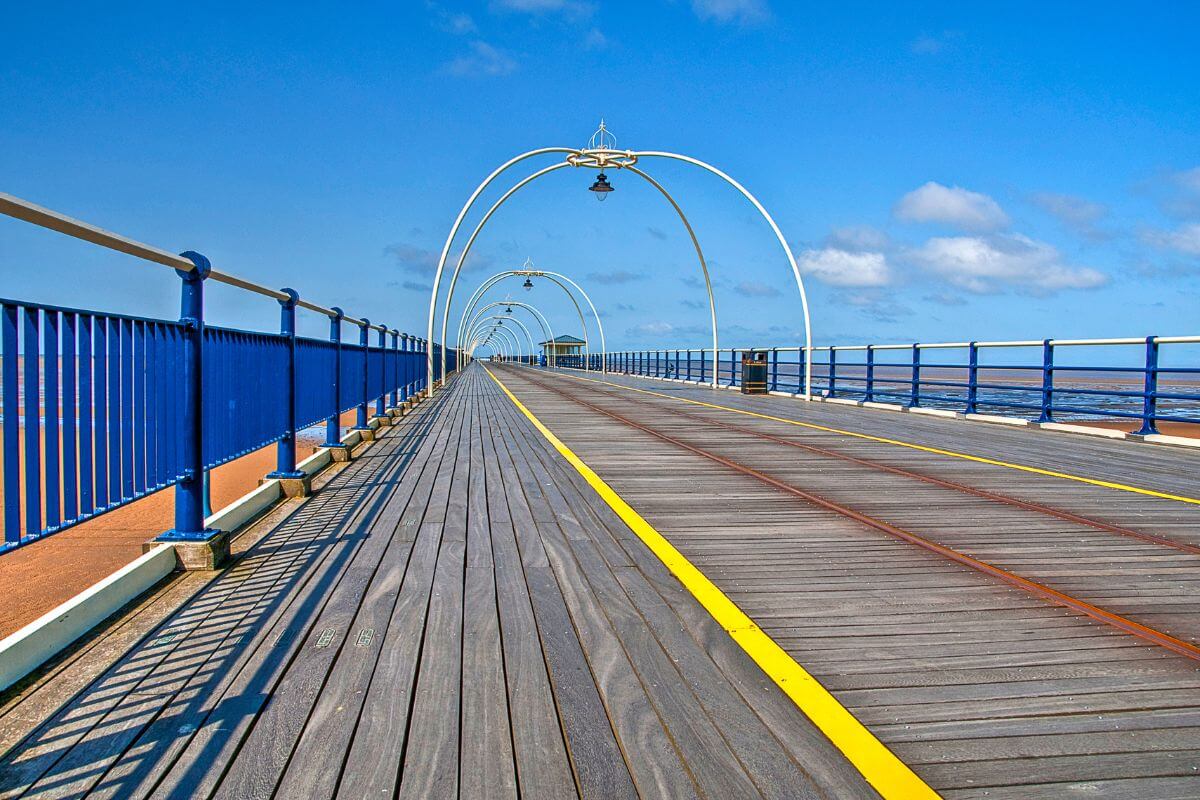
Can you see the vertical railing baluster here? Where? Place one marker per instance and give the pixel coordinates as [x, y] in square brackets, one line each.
[914, 398]
[406, 372]
[333, 425]
[87, 498]
[1149, 390]
[33, 412]
[189, 491]
[774, 387]
[10, 407]
[382, 396]
[364, 342]
[972, 377]
[126, 351]
[70, 366]
[139, 405]
[870, 389]
[285, 451]
[114, 410]
[153, 410]
[50, 441]
[832, 372]
[395, 360]
[100, 371]
[1047, 382]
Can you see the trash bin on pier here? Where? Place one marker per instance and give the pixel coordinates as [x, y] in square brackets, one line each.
[754, 372]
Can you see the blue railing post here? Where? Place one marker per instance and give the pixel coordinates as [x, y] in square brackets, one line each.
[333, 424]
[1150, 396]
[689, 365]
[364, 341]
[774, 370]
[914, 399]
[189, 491]
[396, 373]
[832, 372]
[870, 392]
[1047, 382]
[703, 355]
[405, 371]
[383, 354]
[972, 377]
[285, 453]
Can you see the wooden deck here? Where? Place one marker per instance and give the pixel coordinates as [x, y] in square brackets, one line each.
[455, 614]
[985, 687]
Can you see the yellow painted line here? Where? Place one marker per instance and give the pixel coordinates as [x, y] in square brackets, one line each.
[899, 443]
[890, 776]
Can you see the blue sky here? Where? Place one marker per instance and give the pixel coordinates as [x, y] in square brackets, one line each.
[943, 171]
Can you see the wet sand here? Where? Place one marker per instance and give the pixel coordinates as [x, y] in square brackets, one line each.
[45, 573]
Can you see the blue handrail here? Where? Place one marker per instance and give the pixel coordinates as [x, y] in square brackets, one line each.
[1148, 392]
[98, 409]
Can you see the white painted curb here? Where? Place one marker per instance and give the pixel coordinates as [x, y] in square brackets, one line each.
[29, 648]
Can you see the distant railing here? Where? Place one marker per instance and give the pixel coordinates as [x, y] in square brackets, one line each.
[955, 375]
[100, 409]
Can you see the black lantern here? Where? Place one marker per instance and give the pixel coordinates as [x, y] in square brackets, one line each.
[528, 284]
[601, 187]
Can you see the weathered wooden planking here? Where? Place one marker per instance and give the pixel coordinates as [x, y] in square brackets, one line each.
[680, 493]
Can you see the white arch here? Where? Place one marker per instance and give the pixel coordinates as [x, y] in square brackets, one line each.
[546, 329]
[778, 235]
[509, 337]
[467, 248]
[454, 232]
[476, 329]
[499, 276]
[626, 154]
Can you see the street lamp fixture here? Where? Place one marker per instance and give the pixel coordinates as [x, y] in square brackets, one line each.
[601, 187]
[528, 284]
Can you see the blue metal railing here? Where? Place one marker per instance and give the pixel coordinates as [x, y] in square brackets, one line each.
[957, 376]
[98, 410]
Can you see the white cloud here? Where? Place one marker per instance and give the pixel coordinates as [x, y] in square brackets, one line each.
[483, 60]
[839, 267]
[952, 205]
[743, 12]
[988, 264]
[857, 237]
[927, 45]
[1184, 239]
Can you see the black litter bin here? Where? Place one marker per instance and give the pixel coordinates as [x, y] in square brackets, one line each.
[754, 373]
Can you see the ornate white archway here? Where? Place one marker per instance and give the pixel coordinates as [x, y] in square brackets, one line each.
[602, 154]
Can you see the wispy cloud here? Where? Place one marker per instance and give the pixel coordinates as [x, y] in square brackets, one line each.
[951, 205]
[657, 233]
[989, 264]
[595, 40]
[1185, 239]
[615, 276]
[755, 289]
[625, 307]
[693, 304]
[417, 259]
[452, 22]
[483, 60]
[1076, 213]
[572, 8]
[740, 12]
[875, 303]
[932, 44]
